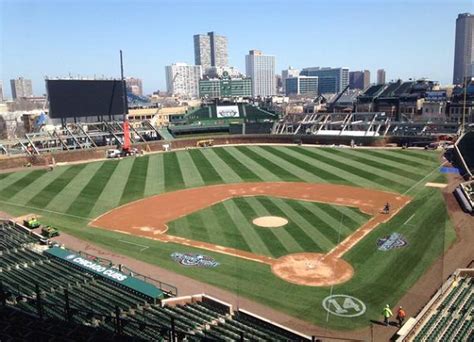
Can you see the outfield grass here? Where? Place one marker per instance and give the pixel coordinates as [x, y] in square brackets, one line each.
[312, 227]
[70, 196]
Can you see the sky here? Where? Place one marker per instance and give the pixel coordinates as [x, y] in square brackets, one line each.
[58, 38]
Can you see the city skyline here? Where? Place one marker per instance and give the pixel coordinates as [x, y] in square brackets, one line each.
[93, 49]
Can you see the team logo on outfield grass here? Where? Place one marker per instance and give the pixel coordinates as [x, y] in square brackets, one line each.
[344, 306]
[391, 241]
[198, 260]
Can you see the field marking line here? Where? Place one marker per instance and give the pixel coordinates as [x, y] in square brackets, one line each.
[421, 180]
[409, 219]
[136, 244]
[45, 210]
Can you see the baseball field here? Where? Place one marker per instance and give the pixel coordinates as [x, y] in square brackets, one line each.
[330, 198]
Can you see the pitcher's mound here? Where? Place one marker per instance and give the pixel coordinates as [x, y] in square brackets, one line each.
[270, 221]
[312, 269]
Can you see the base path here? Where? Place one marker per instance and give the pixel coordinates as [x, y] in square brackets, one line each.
[149, 217]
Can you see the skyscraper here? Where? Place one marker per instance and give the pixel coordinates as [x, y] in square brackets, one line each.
[134, 85]
[1, 92]
[210, 50]
[290, 72]
[381, 76]
[261, 69]
[183, 79]
[359, 79]
[21, 88]
[330, 80]
[464, 48]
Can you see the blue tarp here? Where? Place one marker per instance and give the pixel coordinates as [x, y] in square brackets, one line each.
[445, 169]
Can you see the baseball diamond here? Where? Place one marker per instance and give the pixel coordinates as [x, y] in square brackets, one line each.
[203, 202]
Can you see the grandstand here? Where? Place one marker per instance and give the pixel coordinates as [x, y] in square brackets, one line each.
[41, 287]
[449, 316]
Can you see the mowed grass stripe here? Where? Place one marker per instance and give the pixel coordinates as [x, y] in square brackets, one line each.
[399, 173]
[323, 216]
[263, 173]
[64, 199]
[360, 176]
[155, 176]
[281, 234]
[173, 176]
[353, 214]
[227, 174]
[421, 157]
[294, 169]
[245, 173]
[350, 178]
[135, 186]
[11, 178]
[21, 183]
[191, 175]
[333, 232]
[246, 229]
[304, 232]
[344, 215]
[46, 194]
[269, 165]
[28, 192]
[323, 175]
[214, 230]
[405, 169]
[274, 245]
[207, 171]
[395, 157]
[377, 176]
[113, 190]
[197, 226]
[88, 196]
[228, 228]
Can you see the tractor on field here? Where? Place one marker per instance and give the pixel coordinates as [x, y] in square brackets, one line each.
[31, 222]
[49, 232]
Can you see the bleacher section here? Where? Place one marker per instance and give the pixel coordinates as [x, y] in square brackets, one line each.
[53, 293]
[450, 315]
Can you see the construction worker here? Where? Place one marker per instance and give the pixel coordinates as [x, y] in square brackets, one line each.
[387, 313]
[401, 314]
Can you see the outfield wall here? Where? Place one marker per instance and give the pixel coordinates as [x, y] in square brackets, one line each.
[14, 162]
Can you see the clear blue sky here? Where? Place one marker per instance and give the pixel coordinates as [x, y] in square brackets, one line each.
[408, 38]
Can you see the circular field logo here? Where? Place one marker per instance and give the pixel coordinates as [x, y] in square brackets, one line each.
[391, 241]
[344, 306]
[198, 260]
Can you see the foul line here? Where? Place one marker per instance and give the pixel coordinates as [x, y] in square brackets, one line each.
[136, 244]
[45, 210]
[421, 180]
[409, 219]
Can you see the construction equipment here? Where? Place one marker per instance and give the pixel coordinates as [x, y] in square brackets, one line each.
[205, 143]
[49, 232]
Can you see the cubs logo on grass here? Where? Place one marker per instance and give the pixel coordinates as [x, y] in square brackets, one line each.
[198, 260]
[391, 241]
